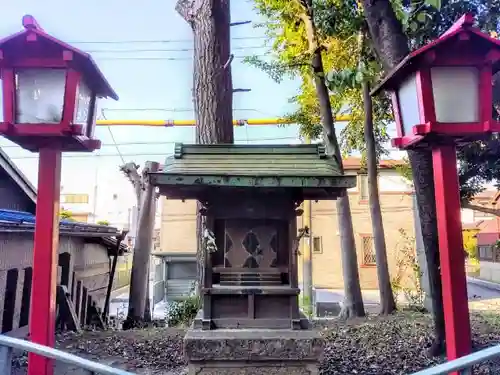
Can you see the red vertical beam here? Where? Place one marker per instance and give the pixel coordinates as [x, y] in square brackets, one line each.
[451, 252]
[45, 255]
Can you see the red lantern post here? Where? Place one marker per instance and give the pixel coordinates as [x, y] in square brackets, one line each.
[442, 96]
[49, 91]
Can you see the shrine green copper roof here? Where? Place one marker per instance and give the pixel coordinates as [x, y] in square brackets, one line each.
[283, 166]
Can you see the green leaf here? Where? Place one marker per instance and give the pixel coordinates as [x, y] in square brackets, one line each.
[434, 3]
[413, 26]
[421, 16]
[359, 77]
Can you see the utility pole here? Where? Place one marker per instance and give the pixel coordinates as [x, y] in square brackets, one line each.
[139, 280]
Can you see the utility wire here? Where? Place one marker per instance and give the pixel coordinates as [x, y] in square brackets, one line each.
[159, 58]
[161, 41]
[165, 49]
[176, 110]
[150, 143]
[116, 145]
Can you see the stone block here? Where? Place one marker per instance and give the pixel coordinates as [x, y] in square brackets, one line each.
[245, 352]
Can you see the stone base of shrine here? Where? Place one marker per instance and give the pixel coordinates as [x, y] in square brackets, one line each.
[253, 352]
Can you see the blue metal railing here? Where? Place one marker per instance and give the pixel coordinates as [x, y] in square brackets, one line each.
[8, 344]
[463, 364]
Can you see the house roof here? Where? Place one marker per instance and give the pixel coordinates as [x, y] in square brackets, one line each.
[355, 163]
[252, 166]
[19, 221]
[19, 178]
[24, 222]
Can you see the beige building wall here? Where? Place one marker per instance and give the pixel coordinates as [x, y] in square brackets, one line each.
[178, 229]
[178, 226]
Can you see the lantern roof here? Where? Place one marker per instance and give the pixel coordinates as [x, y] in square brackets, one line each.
[464, 26]
[18, 42]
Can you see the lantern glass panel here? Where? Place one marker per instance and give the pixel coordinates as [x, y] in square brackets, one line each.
[92, 120]
[40, 95]
[456, 94]
[408, 105]
[82, 105]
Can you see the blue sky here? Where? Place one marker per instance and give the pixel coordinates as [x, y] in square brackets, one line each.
[146, 79]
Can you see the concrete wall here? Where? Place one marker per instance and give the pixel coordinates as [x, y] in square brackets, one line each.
[490, 271]
[178, 228]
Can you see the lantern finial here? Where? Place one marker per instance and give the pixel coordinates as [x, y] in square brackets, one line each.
[467, 20]
[29, 23]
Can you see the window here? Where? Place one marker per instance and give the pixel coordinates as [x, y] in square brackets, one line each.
[317, 245]
[486, 252]
[74, 198]
[363, 187]
[368, 249]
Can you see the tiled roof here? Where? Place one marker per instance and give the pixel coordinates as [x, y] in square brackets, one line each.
[251, 160]
[352, 163]
[306, 169]
[25, 220]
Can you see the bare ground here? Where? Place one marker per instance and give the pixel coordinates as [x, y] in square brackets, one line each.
[372, 346]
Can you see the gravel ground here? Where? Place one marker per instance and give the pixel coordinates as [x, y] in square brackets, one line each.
[373, 346]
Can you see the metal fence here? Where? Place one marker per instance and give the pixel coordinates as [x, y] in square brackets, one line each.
[8, 344]
[463, 364]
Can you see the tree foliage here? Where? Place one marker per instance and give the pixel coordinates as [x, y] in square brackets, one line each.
[338, 30]
[66, 215]
[340, 26]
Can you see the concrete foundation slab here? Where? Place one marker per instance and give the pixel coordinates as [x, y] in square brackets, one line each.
[245, 352]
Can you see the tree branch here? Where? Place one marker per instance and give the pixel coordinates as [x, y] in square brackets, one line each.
[188, 9]
[131, 171]
[486, 210]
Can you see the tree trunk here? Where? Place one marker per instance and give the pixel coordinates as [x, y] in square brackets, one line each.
[391, 45]
[353, 300]
[139, 281]
[387, 304]
[212, 83]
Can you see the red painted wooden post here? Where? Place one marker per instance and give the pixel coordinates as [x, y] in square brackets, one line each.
[451, 252]
[45, 255]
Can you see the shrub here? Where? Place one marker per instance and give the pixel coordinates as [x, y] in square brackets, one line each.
[183, 312]
[407, 277]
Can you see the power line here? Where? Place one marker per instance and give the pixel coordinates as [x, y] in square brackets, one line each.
[173, 110]
[116, 145]
[161, 41]
[159, 58]
[166, 49]
[149, 143]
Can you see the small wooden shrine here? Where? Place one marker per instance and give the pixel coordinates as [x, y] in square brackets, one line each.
[249, 201]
